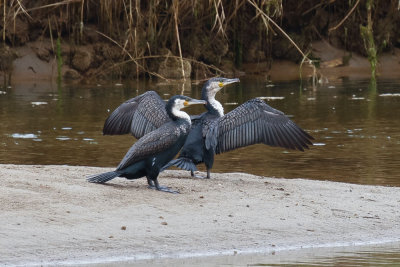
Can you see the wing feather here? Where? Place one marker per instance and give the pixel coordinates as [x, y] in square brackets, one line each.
[277, 137]
[151, 144]
[256, 122]
[138, 116]
[297, 143]
[289, 142]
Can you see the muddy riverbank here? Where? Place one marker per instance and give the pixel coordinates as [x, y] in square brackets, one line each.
[34, 62]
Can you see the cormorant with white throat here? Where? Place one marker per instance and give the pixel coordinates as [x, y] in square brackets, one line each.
[156, 148]
[250, 123]
[211, 132]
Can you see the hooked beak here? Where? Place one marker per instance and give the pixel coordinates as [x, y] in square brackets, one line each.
[194, 102]
[228, 81]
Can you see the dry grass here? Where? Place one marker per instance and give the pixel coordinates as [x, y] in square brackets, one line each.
[139, 28]
[188, 28]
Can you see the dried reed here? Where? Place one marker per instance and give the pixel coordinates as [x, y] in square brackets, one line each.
[189, 28]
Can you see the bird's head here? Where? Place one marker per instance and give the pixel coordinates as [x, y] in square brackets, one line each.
[178, 102]
[213, 85]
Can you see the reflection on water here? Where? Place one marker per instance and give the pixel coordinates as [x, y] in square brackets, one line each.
[373, 255]
[356, 126]
[378, 255]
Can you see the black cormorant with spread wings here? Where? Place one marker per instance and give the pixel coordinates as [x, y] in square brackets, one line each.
[156, 148]
[212, 132]
[250, 123]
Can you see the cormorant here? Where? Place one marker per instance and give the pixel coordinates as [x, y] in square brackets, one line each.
[212, 132]
[156, 148]
[250, 123]
[138, 116]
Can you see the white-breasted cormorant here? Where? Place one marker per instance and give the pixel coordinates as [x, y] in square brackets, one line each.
[155, 149]
[212, 132]
[250, 123]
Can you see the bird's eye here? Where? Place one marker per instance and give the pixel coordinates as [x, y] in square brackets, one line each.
[186, 103]
[221, 84]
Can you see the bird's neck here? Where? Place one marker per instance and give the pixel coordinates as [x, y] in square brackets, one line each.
[177, 114]
[214, 106]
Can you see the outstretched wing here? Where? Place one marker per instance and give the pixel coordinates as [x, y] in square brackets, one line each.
[256, 122]
[138, 116]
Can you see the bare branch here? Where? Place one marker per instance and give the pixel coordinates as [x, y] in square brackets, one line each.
[265, 16]
[346, 17]
[131, 57]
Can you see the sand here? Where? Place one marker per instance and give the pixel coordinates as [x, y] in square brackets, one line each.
[51, 215]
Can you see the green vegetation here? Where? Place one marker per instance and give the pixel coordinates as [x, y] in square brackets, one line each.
[130, 37]
[368, 38]
[59, 59]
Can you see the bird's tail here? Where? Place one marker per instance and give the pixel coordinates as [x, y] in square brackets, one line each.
[102, 178]
[183, 163]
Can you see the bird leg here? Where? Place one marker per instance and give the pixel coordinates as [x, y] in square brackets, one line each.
[150, 182]
[163, 188]
[208, 173]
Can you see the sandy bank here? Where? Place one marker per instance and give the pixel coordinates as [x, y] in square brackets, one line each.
[50, 215]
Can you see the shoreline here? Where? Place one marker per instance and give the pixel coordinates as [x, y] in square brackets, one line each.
[144, 259]
[51, 215]
[318, 256]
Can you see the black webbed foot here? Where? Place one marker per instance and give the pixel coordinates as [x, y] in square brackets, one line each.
[198, 176]
[166, 189]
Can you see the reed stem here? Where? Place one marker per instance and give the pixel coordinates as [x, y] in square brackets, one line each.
[368, 37]
[176, 10]
[59, 59]
[4, 22]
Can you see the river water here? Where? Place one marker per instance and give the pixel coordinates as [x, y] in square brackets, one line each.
[355, 123]
[356, 127]
[367, 256]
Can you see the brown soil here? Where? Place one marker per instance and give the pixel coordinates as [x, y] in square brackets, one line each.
[35, 62]
[332, 65]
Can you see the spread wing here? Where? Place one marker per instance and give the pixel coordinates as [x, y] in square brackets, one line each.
[138, 116]
[151, 144]
[256, 122]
